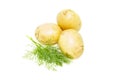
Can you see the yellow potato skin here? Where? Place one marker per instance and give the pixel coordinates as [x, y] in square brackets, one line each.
[68, 19]
[71, 43]
[48, 33]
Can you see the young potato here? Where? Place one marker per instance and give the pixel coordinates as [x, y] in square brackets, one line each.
[68, 19]
[48, 33]
[71, 43]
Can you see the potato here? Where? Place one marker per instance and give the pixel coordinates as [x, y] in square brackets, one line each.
[71, 43]
[48, 33]
[68, 19]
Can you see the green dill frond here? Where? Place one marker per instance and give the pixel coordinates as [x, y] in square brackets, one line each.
[50, 56]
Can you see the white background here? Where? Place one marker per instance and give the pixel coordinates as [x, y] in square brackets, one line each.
[100, 31]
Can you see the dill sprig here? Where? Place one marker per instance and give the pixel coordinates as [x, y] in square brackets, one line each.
[49, 55]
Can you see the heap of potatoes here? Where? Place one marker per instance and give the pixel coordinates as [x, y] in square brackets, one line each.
[65, 33]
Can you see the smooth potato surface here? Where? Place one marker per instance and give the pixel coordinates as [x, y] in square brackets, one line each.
[71, 43]
[68, 19]
[48, 33]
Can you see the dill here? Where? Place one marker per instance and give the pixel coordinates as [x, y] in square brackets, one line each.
[49, 55]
